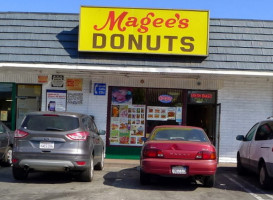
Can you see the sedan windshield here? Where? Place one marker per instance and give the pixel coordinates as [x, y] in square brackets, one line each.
[186, 134]
[50, 123]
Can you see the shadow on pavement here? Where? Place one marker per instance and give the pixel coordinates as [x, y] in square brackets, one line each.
[129, 179]
[37, 177]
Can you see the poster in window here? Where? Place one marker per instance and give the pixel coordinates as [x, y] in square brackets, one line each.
[121, 96]
[4, 115]
[114, 130]
[157, 113]
[171, 113]
[128, 126]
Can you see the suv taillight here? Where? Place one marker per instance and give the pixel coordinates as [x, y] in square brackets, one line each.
[80, 136]
[206, 155]
[20, 134]
[152, 153]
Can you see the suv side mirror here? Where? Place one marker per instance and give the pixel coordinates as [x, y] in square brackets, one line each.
[144, 139]
[240, 137]
[102, 132]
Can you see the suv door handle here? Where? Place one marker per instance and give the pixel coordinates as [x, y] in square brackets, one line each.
[265, 147]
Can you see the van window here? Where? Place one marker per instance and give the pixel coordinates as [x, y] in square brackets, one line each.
[265, 131]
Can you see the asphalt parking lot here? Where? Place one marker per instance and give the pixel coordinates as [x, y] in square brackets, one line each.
[120, 181]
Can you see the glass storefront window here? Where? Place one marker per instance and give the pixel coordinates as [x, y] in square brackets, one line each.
[127, 116]
[135, 111]
[164, 107]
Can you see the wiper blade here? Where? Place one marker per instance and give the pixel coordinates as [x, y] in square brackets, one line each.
[53, 129]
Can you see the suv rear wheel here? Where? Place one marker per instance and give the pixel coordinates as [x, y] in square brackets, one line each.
[87, 175]
[19, 173]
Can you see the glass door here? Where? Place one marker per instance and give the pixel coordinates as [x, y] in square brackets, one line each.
[7, 104]
[28, 100]
[217, 129]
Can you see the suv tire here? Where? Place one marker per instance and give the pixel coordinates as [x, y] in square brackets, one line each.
[100, 165]
[88, 174]
[19, 173]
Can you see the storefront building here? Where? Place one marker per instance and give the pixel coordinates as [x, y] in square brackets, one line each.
[223, 87]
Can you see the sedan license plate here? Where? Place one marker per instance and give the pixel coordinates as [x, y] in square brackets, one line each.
[179, 170]
[46, 145]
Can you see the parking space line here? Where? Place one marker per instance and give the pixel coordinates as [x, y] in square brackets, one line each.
[259, 190]
[244, 188]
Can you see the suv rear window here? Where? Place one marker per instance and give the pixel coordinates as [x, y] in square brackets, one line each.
[50, 123]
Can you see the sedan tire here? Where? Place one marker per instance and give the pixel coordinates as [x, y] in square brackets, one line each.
[209, 181]
[88, 174]
[144, 178]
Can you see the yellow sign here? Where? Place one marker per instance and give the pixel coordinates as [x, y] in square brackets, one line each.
[151, 31]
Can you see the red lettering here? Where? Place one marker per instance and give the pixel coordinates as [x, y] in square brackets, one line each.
[184, 23]
[170, 23]
[112, 21]
[204, 96]
[158, 22]
[121, 22]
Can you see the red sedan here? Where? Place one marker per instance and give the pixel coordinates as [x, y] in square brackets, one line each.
[178, 151]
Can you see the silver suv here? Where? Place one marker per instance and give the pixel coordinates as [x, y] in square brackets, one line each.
[57, 141]
[256, 152]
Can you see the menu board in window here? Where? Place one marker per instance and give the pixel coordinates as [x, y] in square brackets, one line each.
[127, 125]
[161, 113]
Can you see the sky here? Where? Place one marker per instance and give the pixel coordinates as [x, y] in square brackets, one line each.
[231, 9]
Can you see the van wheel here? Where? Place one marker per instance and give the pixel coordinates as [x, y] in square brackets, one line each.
[7, 159]
[87, 175]
[144, 178]
[100, 165]
[264, 179]
[240, 168]
[19, 173]
[209, 181]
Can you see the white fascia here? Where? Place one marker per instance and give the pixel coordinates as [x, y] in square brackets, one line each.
[131, 69]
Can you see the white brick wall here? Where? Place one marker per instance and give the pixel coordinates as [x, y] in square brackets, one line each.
[242, 105]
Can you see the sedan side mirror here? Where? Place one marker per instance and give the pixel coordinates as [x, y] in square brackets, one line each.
[240, 137]
[102, 132]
